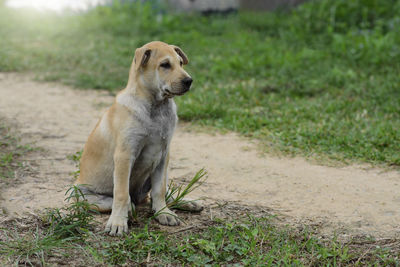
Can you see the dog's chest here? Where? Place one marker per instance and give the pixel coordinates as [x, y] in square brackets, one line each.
[159, 129]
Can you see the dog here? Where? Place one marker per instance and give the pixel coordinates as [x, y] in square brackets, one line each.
[126, 156]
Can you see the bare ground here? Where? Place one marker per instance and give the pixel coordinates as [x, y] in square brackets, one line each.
[351, 200]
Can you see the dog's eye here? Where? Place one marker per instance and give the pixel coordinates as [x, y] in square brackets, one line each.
[181, 63]
[165, 65]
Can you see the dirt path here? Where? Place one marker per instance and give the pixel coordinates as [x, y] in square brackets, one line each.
[59, 119]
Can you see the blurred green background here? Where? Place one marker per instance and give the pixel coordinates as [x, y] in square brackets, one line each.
[319, 80]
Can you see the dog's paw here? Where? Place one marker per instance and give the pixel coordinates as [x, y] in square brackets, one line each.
[189, 205]
[168, 218]
[117, 225]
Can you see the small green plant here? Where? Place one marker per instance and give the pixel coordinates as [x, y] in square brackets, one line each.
[176, 194]
[76, 158]
[74, 220]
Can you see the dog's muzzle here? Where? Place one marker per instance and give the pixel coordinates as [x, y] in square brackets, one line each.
[184, 87]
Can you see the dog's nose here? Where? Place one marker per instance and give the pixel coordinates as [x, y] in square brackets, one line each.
[187, 82]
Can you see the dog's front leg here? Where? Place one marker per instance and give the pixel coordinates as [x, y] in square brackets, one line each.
[118, 222]
[158, 189]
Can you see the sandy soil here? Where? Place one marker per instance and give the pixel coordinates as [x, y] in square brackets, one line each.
[351, 199]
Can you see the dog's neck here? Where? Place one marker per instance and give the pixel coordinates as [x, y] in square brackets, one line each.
[151, 97]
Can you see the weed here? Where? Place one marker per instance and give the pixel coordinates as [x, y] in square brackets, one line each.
[75, 220]
[176, 194]
[76, 158]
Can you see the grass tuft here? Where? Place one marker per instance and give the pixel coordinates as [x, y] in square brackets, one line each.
[75, 220]
[176, 194]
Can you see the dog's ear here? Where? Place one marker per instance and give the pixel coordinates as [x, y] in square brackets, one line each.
[181, 54]
[142, 56]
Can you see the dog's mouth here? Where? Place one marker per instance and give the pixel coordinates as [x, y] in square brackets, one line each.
[170, 94]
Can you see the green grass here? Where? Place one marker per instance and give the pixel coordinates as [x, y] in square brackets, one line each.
[58, 231]
[72, 235]
[320, 80]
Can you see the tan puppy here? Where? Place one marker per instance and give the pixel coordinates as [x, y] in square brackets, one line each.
[126, 155]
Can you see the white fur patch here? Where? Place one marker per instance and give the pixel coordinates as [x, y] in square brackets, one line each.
[104, 127]
[138, 107]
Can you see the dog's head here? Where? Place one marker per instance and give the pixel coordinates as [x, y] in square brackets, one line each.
[159, 69]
